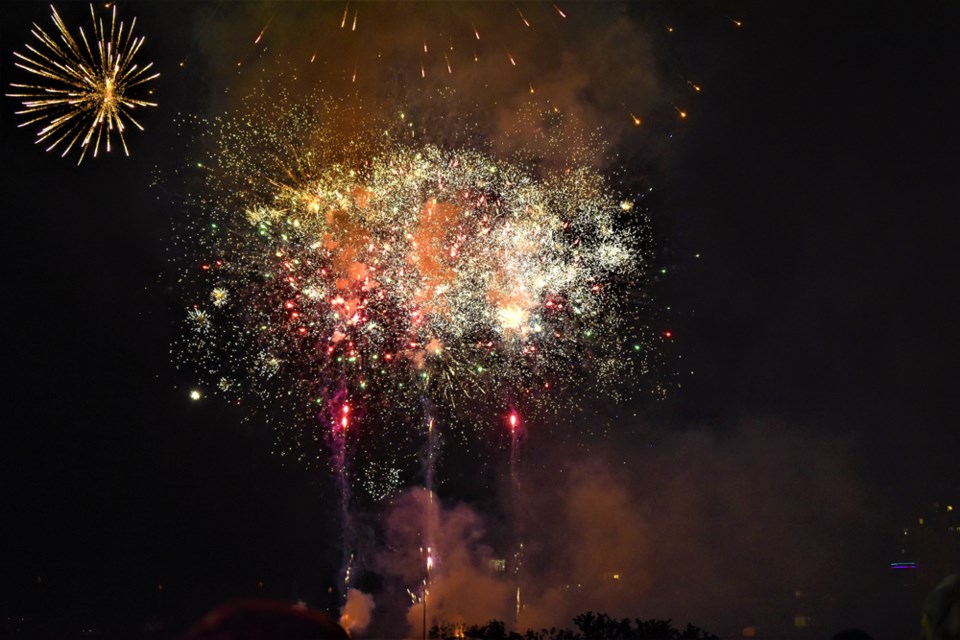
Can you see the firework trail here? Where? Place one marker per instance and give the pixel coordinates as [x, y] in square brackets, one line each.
[431, 515]
[515, 435]
[337, 442]
[430, 463]
[84, 92]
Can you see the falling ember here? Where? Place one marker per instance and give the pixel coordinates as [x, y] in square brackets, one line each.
[84, 97]
[475, 32]
[260, 35]
[736, 23]
[694, 86]
[680, 112]
[512, 61]
[449, 69]
[423, 72]
[526, 22]
[356, 12]
[346, 8]
[562, 14]
[636, 121]
[312, 58]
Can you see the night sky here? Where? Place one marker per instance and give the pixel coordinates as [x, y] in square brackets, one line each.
[803, 212]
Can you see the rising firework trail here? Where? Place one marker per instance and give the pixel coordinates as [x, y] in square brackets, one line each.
[515, 435]
[84, 91]
[430, 463]
[337, 439]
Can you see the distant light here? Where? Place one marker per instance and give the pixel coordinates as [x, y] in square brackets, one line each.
[195, 394]
[899, 566]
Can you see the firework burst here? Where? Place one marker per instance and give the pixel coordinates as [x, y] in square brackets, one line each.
[386, 271]
[84, 94]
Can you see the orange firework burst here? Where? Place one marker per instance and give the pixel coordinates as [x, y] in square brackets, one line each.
[85, 94]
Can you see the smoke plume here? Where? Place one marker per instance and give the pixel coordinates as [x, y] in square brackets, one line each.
[713, 528]
[356, 612]
[461, 72]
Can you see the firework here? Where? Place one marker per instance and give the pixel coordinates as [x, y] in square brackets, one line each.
[381, 272]
[84, 91]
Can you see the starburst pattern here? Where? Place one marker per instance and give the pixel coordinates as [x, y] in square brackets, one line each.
[84, 94]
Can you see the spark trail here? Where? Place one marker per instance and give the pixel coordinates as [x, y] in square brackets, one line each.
[515, 434]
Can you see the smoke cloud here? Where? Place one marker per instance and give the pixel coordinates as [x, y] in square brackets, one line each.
[461, 587]
[356, 612]
[461, 72]
[719, 529]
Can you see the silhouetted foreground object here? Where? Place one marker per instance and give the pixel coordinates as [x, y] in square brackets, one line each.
[852, 634]
[941, 611]
[590, 626]
[265, 620]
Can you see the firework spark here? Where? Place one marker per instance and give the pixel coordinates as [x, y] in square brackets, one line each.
[84, 95]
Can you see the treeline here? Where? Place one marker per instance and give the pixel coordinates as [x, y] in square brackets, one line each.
[589, 626]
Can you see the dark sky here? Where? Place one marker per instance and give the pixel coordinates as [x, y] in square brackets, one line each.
[816, 187]
[815, 177]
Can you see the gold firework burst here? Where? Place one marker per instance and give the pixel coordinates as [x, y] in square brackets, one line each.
[85, 93]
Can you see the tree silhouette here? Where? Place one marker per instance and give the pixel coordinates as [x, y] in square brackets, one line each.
[589, 626]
